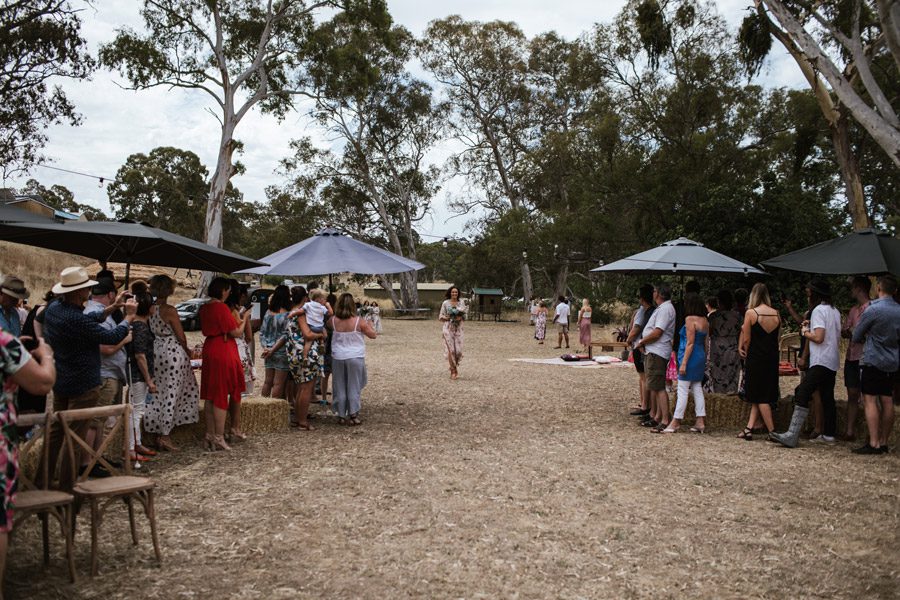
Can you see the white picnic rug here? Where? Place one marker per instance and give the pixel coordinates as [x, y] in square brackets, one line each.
[582, 364]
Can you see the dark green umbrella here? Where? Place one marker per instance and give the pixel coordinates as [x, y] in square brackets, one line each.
[125, 242]
[863, 252]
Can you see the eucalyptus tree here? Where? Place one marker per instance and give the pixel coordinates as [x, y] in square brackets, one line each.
[842, 42]
[39, 40]
[242, 54]
[850, 32]
[483, 69]
[383, 124]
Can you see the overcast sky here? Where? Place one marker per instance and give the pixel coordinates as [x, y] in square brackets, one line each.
[118, 122]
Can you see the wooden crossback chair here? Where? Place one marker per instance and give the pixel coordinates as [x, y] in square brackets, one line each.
[101, 493]
[36, 497]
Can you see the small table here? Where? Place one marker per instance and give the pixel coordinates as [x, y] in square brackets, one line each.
[606, 346]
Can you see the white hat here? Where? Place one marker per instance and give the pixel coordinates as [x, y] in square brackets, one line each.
[13, 286]
[71, 279]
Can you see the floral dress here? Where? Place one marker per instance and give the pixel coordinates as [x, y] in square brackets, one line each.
[540, 326]
[13, 356]
[452, 332]
[303, 370]
[724, 365]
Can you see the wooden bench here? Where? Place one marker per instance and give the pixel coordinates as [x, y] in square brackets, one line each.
[616, 347]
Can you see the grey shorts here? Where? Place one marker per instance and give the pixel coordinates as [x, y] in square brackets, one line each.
[563, 327]
[655, 372]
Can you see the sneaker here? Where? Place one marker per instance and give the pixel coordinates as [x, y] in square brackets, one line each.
[823, 439]
[867, 449]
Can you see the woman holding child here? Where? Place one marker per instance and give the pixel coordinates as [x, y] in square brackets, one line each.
[453, 313]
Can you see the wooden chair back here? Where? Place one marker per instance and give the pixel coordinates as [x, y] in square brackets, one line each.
[26, 483]
[75, 443]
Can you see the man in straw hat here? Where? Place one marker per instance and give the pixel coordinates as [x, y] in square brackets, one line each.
[76, 339]
[12, 290]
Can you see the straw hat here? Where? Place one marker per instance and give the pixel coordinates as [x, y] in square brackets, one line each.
[15, 287]
[71, 279]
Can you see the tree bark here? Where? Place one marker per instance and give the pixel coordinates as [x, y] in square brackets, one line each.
[388, 286]
[836, 118]
[527, 287]
[877, 125]
[562, 279]
[218, 185]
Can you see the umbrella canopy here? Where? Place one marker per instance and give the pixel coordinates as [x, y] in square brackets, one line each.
[125, 242]
[863, 252]
[681, 256]
[332, 251]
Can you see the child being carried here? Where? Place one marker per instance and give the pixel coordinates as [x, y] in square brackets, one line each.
[317, 310]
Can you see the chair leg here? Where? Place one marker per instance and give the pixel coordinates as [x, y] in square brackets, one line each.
[66, 523]
[151, 515]
[130, 503]
[45, 532]
[95, 524]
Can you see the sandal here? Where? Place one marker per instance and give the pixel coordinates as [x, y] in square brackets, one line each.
[354, 420]
[746, 434]
[698, 430]
[660, 428]
[649, 423]
[305, 427]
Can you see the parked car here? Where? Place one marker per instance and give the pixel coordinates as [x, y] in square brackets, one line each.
[189, 313]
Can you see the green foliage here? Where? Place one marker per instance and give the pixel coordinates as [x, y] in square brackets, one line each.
[653, 30]
[39, 40]
[166, 188]
[754, 42]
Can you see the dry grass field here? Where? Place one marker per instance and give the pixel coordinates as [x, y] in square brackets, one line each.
[516, 481]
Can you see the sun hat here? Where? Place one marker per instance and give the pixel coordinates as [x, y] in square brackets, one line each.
[71, 279]
[15, 287]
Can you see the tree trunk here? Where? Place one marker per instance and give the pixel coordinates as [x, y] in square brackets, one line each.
[409, 289]
[562, 278]
[218, 185]
[388, 286]
[527, 287]
[856, 198]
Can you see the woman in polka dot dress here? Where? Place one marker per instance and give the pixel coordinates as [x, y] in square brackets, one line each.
[178, 399]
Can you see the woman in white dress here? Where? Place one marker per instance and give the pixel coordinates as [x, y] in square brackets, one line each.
[178, 398]
[376, 317]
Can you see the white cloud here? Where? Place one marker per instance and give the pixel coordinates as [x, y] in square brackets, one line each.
[119, 122]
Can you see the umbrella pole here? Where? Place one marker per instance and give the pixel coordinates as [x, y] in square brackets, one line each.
[330, 286]
[127, 273]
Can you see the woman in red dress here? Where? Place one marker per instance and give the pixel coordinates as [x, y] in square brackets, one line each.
[222, 374]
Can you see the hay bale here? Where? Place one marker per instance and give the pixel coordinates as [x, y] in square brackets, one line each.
[258, 415]
[30, 454]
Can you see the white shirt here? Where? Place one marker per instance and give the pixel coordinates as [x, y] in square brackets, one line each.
[828, 353]
[562, 313]
[662, 318]
[315, 314]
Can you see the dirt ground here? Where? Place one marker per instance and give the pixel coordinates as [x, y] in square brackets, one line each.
[516, 481]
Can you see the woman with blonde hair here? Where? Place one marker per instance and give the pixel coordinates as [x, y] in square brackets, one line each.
[349, 358]
[178, 398]
[584, 325]
[758, 347]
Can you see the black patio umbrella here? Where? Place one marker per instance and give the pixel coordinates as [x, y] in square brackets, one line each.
[125, 242]
[863, 252]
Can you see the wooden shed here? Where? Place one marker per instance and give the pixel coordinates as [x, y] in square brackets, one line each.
[485, 302]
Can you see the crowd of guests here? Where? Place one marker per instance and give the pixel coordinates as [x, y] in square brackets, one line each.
[730, 344]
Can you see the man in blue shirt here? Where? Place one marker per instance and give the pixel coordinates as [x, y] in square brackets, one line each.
[12, 289]
[76, 339]
[879, 328]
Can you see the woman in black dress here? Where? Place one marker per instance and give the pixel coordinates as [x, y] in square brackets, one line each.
[759, 349]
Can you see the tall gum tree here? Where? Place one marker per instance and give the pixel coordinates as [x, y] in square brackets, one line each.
[242, 54]
[841, 41]
[483, 68]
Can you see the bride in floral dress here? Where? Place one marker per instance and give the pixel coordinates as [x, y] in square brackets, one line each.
[453, 313]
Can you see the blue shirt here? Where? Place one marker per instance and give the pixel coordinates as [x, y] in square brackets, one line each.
[76, 338]
[11, 322]
[879, 326]
[112, 366]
